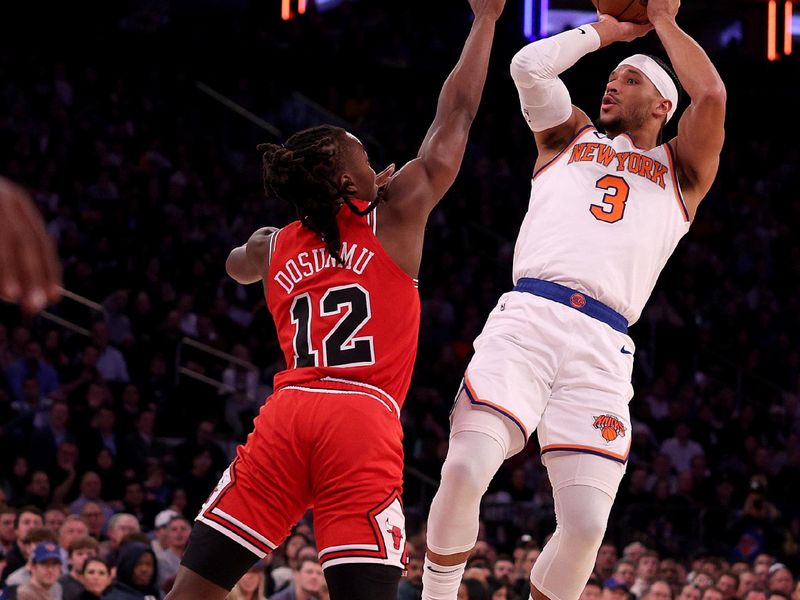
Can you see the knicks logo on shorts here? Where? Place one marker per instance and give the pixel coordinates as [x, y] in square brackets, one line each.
[577, 300]
[610, 427]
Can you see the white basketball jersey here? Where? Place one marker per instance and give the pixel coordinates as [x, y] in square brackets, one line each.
[603, 219]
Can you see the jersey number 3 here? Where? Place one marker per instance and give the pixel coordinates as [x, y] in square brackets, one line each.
[340, 346]
[614, 200]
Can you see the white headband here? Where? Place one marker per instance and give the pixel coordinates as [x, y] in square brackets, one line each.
[658, 76]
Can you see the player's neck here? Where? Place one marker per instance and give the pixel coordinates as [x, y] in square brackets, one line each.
[640, 138]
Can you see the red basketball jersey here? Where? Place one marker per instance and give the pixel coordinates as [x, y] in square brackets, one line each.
[343, 324]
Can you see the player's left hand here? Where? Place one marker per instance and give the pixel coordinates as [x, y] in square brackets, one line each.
[611, 30]
[659, 9]
[30, 273]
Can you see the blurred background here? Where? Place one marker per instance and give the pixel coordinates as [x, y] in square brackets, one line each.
[134, 126]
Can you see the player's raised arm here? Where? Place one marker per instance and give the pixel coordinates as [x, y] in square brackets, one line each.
[419, 185]
[544, 98]
[701, 130]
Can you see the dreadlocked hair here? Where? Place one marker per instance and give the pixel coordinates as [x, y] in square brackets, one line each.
[305, 172]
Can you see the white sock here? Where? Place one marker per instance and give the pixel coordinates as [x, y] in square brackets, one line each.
[441, 583]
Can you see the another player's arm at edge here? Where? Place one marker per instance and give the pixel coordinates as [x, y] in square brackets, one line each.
[701, 129]
[416, 188]
[544, 98]
[249, 262]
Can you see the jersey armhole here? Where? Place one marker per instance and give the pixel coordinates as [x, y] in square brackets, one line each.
[676, 184]
[566, 148]
[273, 243]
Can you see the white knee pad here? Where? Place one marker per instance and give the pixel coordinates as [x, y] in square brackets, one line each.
[584, 488]
[472, 460]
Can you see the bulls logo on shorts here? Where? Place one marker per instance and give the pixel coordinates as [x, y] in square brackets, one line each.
[610, 427]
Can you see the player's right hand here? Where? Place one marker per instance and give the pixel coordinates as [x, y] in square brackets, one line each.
[30, 273]
[611, 30]
[487, 8]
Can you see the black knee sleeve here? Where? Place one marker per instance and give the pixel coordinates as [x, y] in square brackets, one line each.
[357, 581]
[216, 557]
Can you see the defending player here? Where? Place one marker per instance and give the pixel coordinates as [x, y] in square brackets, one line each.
[606, 211]
[340, 286]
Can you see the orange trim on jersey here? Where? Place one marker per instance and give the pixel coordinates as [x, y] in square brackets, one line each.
[677, 185]
[552, 161]
[623, 458]
[475, 399]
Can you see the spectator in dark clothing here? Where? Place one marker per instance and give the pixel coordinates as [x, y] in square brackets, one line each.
[135, 575]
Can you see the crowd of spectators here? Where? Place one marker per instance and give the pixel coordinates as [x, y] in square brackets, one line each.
[146, 184]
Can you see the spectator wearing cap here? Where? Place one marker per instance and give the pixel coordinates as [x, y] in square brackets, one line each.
[136, 574]
[45, 568]
[120, 525]
[169, 560]
[79, 551]
[161, 533]
[39, 535]
[780, 579]
[614, 590]
[28, 518]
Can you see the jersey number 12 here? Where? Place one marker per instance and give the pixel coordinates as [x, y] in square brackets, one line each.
[340, 346]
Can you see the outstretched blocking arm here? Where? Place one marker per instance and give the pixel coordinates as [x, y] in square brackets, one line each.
[701, 130]
[544, 98]
[418, 186]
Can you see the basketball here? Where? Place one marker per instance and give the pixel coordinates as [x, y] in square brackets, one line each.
[634, 11]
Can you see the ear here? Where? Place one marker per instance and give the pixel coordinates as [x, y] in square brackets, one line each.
[663, 107]
[114, 572]
[347, 184]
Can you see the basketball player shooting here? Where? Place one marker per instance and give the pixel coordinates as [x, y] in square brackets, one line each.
[607, 209]
[340, 285]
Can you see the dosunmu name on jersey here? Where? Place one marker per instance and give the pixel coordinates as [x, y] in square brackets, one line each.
[308, 263]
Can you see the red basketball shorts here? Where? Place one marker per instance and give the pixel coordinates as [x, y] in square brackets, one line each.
[331, 446]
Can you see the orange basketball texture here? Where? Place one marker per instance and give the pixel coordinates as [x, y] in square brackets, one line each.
[624, 10]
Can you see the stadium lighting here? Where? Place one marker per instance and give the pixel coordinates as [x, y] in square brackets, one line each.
[772, 34]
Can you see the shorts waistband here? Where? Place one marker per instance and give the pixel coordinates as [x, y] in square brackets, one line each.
[576, 300]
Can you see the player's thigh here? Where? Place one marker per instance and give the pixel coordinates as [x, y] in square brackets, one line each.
[266, 489]
[357, 479]
[211, 565]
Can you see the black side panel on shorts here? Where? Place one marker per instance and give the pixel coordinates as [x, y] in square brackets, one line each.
[358, 581]
[216, 557]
